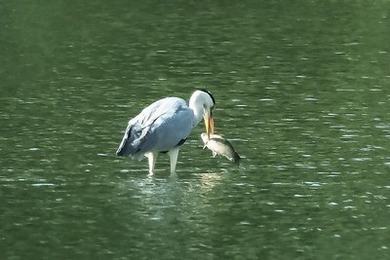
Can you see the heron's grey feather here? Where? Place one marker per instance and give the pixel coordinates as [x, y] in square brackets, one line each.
[159, 127]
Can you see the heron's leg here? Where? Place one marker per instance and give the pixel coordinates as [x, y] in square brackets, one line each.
[173, 154]
[152, 157]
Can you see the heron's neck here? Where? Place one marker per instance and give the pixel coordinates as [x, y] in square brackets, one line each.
[197, 108]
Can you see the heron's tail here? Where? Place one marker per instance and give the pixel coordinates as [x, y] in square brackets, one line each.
[126, 146]
[123, 149]
[236, 158]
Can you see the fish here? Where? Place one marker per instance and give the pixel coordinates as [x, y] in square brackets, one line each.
[220, 146]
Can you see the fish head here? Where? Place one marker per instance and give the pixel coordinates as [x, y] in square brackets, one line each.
[205, 138]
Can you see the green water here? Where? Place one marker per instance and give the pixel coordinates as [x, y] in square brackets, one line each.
[302, 92]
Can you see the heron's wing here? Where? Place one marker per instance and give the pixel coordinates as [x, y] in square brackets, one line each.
[149, 114]
[168, 129]
[160, 126]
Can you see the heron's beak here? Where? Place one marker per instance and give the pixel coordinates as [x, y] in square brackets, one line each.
[209, 123]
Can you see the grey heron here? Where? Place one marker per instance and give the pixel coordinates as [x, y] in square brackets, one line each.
[164, 126]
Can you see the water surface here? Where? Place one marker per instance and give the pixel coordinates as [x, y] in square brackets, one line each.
[302, 93]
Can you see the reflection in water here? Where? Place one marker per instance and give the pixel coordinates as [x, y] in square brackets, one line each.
[301, 91]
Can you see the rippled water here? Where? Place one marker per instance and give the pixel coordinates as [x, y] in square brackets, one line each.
[302, 93]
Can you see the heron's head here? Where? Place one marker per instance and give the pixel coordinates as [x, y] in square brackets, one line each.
[203, 102]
